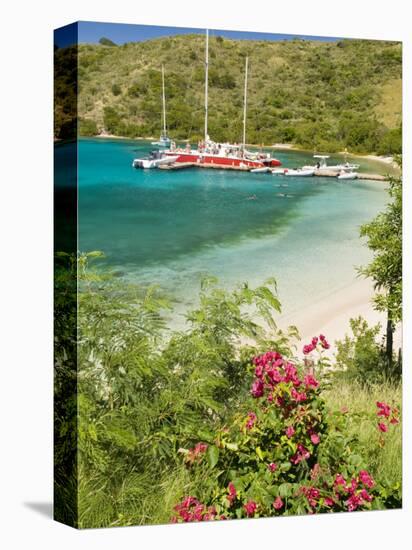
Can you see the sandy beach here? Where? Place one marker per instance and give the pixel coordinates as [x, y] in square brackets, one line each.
[331, 314]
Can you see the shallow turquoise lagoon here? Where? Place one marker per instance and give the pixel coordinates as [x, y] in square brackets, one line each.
[173, 227]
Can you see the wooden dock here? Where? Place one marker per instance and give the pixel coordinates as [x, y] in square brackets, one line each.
[319, 173]
[361, 175]
[181, 165]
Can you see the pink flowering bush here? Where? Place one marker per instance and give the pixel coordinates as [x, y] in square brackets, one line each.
[282, 456]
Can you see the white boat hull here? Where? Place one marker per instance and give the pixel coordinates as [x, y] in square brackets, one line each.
[153, 163]
[300, 172]
[263, 170]
[348, 176]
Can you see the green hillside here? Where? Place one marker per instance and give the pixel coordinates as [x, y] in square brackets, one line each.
[315, 94]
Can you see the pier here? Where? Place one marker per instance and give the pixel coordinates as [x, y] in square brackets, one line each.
[361, 176]
[322, 173]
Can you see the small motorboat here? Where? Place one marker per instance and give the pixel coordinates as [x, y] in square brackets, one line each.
[302, 172]
[262, 170]
[155, 159]
[278, 171]
[346, 167]
[347, 175]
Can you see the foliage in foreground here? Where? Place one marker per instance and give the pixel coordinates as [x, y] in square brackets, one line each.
[161, 412]
[362, 359]
[286, 455]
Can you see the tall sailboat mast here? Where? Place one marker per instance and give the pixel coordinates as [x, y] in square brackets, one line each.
[164, 101]
[245, 103]
[206, 79]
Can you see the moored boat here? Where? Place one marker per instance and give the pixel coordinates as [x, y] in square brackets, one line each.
[226, 155]
[263, 170]
[322, 164]
[346, 167]
[302, 172]
[155, 159]
[347, 175]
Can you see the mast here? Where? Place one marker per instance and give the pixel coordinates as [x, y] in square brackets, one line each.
[206, 79]
[164, 101]
[245, 103]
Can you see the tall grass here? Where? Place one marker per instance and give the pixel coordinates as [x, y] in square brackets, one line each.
[382, 452]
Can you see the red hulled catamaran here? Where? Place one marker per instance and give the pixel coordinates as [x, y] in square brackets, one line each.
[222, 155]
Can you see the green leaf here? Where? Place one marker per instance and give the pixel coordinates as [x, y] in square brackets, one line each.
[212, 454]
[259, 452]
[95, 254]
[284, 490]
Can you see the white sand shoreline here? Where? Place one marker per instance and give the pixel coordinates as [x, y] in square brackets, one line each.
[330, 314]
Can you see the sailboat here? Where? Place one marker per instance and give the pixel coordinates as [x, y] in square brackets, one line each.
[226, 155]
[164, 140]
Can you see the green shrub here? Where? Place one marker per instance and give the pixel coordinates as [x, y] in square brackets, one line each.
[116, 90]
[360, 357]
[87, 127]
[286, 455]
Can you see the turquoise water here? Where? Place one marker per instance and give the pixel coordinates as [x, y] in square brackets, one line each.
[173, 227]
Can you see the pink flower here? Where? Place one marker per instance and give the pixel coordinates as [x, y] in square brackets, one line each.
[353, 502]
[250, 508]
[315, 439]
[352, 487]
[394, 420]
[310, 381]
[301, 454]
[291, 374]
[272, 466]
[232, 493]
[187, 502]
[278, 504]
[251, 420]
[290, 430]
[198, 513]
[304, 452]
[384, 409]
[315, 340]
[299, 397]
[308, 349]
[382, 427]
[329, 501]
[340, 480]
[366, 496]
[259, 371]
[325, 344]
[366, 479]
[257, 388]
[200, 448]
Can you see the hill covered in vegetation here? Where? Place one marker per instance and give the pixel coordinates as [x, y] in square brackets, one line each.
[314, 94]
